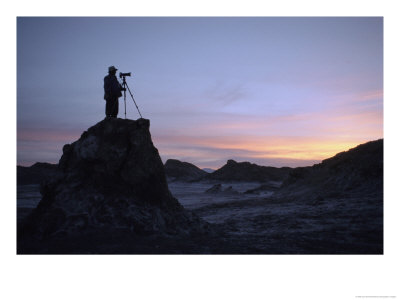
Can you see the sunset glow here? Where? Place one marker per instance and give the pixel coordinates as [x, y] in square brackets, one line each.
[272, 91]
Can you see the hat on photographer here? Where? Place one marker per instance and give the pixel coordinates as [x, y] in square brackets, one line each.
[112, 69]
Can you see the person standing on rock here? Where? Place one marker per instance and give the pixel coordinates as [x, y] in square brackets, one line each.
[112, 91]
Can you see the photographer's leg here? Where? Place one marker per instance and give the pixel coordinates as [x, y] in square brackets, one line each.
[116, 106]
[114, 112]
[108, 107]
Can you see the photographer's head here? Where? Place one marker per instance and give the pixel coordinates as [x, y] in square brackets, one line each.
[112, 70]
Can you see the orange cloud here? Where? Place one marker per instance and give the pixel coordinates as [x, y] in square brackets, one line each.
[254, 147]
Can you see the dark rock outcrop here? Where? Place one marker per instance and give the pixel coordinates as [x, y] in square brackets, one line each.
[36, 174]
[182, 171]
[112, 178]
[358, 170]
[266, 187]
[217, 189]
[245, 171]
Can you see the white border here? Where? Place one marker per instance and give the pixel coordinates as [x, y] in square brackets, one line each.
[199, 277]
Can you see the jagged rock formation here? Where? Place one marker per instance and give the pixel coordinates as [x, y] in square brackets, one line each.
[36, 173]
[245, 171]
[182, 171]
[112, 178]
[358, 170]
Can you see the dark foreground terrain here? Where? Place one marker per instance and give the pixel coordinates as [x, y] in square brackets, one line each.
[110, 194]
[244, 223]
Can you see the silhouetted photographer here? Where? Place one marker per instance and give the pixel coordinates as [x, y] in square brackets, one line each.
[112, 91]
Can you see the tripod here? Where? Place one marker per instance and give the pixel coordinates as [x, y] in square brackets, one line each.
[125, 86]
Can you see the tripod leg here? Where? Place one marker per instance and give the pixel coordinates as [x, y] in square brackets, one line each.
[133, 99]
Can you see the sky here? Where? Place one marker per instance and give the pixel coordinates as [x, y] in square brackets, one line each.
[268, 90]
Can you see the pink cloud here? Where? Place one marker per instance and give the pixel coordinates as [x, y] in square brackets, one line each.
[47, 134]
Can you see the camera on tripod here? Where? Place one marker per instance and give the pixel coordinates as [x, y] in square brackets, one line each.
[124, 74]
[125, 87]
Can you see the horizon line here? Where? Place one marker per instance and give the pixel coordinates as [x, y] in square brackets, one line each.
[236, 160]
